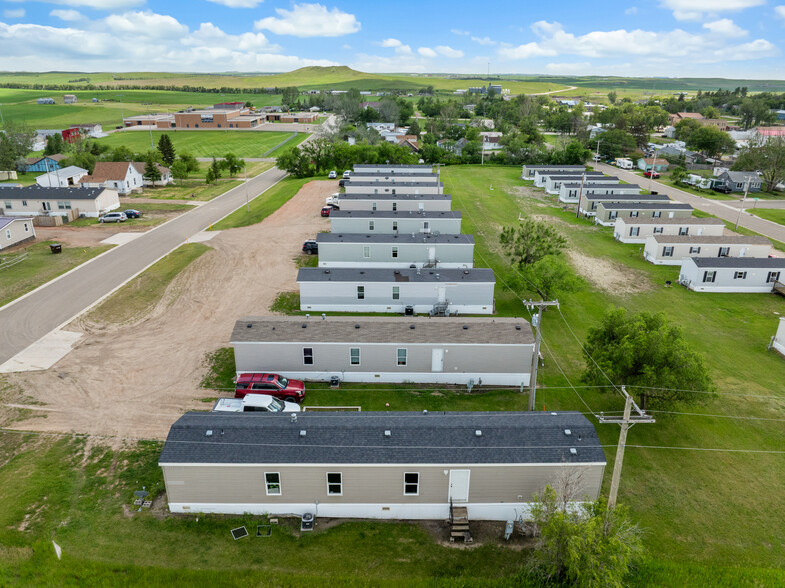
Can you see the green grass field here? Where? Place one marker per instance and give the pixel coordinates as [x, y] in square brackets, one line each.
[203, 143]
[40, 267]
[775, 215]
[263, 205]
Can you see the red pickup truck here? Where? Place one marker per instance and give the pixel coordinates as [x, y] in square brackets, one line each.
[271, 384]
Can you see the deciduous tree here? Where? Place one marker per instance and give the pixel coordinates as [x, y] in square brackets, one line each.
[232, 164]
[179, 170]
[767, 156]
[530, 241]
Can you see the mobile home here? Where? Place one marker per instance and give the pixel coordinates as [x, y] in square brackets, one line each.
[528, 171]
[570, 192]
[637, 230]
[390, 187]
[444, 222]
[731, 274]
[610, 211]
[395, 202]
[673, 249]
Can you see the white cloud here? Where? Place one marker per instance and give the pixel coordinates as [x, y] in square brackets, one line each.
[631, 10]
[780, 11]
[107, 5]
[399, 47]
[391, 43]
[210, 35]
[460, 32]
[310, 20]
[725, 27]
[447, 51]
[569, 68]
[427, 52]
[484, 40]
[238, 3]
[146, 24]
[67, 15]
[526, 51]
[695, 9]
[14, 13]
[376, 63]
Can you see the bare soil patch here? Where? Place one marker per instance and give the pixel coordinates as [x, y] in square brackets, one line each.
[132, 381]
[609, 276]
[77, 236]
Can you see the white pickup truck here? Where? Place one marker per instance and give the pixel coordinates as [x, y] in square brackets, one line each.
[255, 403]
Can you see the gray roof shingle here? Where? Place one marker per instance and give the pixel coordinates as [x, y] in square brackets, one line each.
[404, 238]
[316, 274]
[53, 193]
[740, 262]
[396, 214]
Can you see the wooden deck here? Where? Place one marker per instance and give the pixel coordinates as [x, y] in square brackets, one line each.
[779, 288]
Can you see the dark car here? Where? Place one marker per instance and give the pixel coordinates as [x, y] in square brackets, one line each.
[326, 210]
[131, 213]
[341, 183]
[270, 384]
[310, 247]
[722, 188]
[333, 205]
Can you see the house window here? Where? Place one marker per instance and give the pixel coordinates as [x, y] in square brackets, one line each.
[773, 277]
[8, 206]
[373, 206]
[396, 293]
[395, 225]
[8, 233]
[64, 205]
[411, 484]
[667, 251]
[360, 292]
[426, 225]
[613, 214]
[724, 251]
[709, 276]
[24, 202]
[272, 481]
[740, 275]
[395, 206]
[27, 227]
[334, 484]
[633, 214]
[695, 249]
[371, 225]
[46, 206]
[395, 252]
[401, 356]
[354, 356]
[656, 214]
[635, 231]
[366, 251]
[307, 355]
[658, 230]
[684, 230]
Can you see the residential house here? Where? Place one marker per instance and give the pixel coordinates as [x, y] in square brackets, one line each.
[739, 181]
[392, 187]
[44, 164]
[595, 130]
[483, 123]
[589, 201]
[39, 200]
[387, 222]
[395, 202]
[670, 132]
[491, 351]
[571, 191]
[657, 164]
[15, 230]
[68, 176]
[395, 251]
[610, 211]
[69, 99]
[396, 178]
[455, 147]
[491, 140]
[166, 174]
[363, 289]
[45, 101]
[552, 181]
[528, 171]
[637, 230]
[729, 274]
[92, 130]
[382, 126]
[122, 176]
[377, 465]
[680, 116]
[673, 249]
[393, 168]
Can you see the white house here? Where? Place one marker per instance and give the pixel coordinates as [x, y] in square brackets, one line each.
[62, 178]
[528, 170]
[15, 230]
[393, 168]
[637, 230]
[552, 182]
[393, 178]
[395, 202]
[362, 289]
[392, 187]
[439, 222]
[121, 176]
[166, 174]
[673, 249]
[729, 274]
[40, 200]
[570, 192]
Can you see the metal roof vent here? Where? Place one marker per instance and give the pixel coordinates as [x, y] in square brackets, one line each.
[397, 272]
[388, 433]
[465, 327]
[208, 433]
[302, 433]
[554, 413]
[249, 325]
[517, 327]
[293, 418]
[304, 325]
[478, 433]
[437, 276]
[327, 271]
[324, 316]
[573, 451]
[465, 271]
[567, 432]
[356, 325]
[425, 411]
[411, 326]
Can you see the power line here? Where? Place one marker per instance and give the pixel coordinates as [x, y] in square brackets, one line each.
[718, 449]
[720, 416]
[553, 356]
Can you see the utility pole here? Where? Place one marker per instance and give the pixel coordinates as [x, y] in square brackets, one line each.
[651, 173]
[744, 198]
[626, 422]
[536, 323]
[580, 194]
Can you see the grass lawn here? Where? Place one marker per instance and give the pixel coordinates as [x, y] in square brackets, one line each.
[709, 194]
[263, 205]
[26, 179]
[40, 267]
[204, 143]
[776, 215]
[152, 215]
[190, 189]
[293, 141]
[141, 294]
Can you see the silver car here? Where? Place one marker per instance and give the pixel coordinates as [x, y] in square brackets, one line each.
[113, 217]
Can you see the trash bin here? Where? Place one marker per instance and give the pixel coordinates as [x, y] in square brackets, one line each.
[56, 247]
[408, 311]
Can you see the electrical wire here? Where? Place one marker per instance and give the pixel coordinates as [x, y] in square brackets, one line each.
[548, 349]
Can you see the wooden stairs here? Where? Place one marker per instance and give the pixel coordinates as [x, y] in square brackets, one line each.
[779, 288]
[459, 524]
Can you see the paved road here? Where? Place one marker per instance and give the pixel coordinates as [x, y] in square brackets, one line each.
[27, 320]
[725, 209]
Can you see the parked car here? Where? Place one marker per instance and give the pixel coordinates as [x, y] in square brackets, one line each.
[113, 217]
[651, 174]
[341, 183]
[333, 205]
[255, 403]
[722, 188]
[332, 175]
[270, 384]
[347, 174]
[310, 247]
[131, 213]
[326, 210]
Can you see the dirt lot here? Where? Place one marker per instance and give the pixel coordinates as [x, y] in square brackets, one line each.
[77, 236]
[133, 381]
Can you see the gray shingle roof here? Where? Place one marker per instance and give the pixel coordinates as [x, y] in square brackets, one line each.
[740, 177]
[7, 220]
[574, 176]
[710, 240]
[392, 239]
[365, 166]
[593, 186]
[644, 206]
[627, 197]
[359, 437]
[394, 197]
[364, 174]
[740, 262]
[54, 193]
[684, 222]
[393, 184]
[554, 167]
[396, 214]
[315, 274]
[390, 330]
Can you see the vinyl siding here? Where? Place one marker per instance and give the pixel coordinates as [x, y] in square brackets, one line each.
[384, 226]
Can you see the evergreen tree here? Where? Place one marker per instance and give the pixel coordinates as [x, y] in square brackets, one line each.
[210, 176]
[166, 149]
[215, 167]
[54, 144]
[151, 171]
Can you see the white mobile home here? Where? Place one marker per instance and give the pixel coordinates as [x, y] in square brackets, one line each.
[390, 187]
[729, 274]
[778, 340]
[446, 350]
[15, 230]
[393, 169]
[528, 171]
[36, 200]
[673, 249]
[395, 251]
[552, 182]
[589, 201]
[399, 178]
[61, 178]
[380, 465]
[572, 191]
[395, 202]
[447, 291]
[637, 230]
[610, 211]
[443, 222]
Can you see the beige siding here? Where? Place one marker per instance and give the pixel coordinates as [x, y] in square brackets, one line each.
[362, 484]
[17, 232]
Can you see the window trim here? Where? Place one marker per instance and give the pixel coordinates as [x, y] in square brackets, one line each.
[267, 484]
[339, 484]
[405, 484]
[394, 252]
[308, 355]
[405, 356]
[695, 249]
[371, 225]
[396, 292]
[739, 275]
[351, 358]
[667, 251]
[360, 292]
[366, 252]
[709, 274]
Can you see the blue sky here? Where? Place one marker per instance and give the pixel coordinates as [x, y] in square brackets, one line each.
[706, 38]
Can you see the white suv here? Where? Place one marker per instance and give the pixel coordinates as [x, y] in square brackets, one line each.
[113, 217]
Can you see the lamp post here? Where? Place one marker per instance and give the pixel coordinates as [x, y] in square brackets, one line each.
[743, 199]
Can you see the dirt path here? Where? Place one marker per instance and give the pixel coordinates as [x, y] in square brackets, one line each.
[134, 381]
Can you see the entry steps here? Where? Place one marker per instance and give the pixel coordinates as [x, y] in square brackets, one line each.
[459, 523]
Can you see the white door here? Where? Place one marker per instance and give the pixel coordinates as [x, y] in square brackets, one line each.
[420, 206]
[442, 294]
[700, 231]
[431, 254]
[743, 252]
[437, 360]
[459, 485]
[670, 215]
